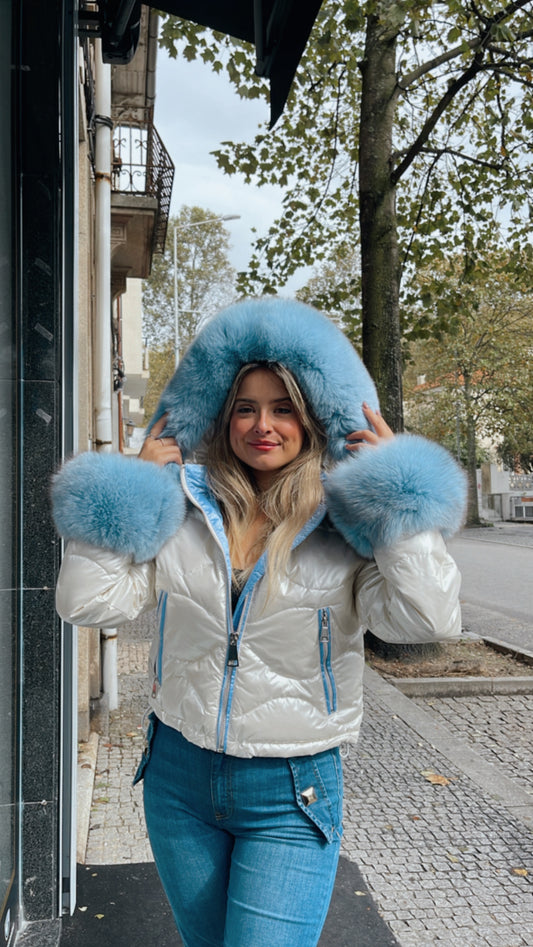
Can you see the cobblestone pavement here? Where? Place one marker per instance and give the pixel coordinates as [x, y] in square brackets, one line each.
[499, 728]
[446, 863]
[117, 831]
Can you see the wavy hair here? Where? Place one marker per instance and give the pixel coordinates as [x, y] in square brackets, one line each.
[293, 495]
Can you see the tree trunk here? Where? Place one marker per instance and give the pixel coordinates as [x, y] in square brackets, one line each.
[379, 242]
[379, 247]
[472, 514]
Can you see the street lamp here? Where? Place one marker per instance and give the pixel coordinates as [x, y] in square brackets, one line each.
[198, 223]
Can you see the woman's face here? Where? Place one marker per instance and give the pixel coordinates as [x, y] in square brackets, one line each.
[265, 431]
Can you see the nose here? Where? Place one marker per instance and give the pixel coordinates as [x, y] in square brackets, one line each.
[262, 424]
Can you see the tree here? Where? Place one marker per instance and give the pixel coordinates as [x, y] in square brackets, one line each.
[205, 283]
[516, 447]
[335, 287]
[206, 279]
[162, 362]
[408, 129]
[473, 381]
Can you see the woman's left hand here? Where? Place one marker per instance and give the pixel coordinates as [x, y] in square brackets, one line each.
[381, 432]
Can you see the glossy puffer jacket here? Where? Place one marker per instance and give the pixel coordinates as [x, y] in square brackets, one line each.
[279, 674]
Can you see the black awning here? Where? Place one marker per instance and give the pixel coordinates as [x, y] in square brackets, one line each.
[279, 29]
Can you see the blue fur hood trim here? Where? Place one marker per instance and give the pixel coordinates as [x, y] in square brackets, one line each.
[374, 498]
[121, 503]
[402, 487]
[325, 364]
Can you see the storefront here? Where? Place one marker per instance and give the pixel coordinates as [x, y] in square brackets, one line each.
[37, 194]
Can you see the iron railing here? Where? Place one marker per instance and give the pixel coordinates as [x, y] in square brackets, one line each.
[142, 165]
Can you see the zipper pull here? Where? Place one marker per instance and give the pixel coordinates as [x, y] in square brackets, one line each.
[233, 655]
[324, 626]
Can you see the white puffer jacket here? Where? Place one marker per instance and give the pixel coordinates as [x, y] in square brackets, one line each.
[377, 560]
[282, 676]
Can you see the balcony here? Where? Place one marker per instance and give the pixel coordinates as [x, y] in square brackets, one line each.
[142, 177]
[142, 170]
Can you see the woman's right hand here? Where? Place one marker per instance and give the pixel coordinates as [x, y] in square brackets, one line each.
[160, 449]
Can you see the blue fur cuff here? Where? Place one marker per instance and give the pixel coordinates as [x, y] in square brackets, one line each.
[405, 486]
[121, 503]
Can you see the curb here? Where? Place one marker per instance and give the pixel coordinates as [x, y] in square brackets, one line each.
[506, 648]
[86, 771]
[461, 686]
[469, 686]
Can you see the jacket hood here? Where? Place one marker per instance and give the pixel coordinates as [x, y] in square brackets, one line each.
[327, 368]
[375, 497]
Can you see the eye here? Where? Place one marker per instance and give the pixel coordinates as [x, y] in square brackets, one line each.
[284, 409]
[244, 409]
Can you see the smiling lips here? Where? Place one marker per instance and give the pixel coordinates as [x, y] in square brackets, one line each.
[263, 445]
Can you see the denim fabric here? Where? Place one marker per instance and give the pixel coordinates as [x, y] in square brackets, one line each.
[246, 849]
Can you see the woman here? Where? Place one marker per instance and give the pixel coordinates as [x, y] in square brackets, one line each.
[308, 523]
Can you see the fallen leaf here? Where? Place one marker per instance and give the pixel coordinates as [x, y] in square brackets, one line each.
[452, 858]
[435, 778]
[99, 916]
[520, 871]
[360, 894]
[83, 909]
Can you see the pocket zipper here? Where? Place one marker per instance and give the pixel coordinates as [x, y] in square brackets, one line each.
[330, 691]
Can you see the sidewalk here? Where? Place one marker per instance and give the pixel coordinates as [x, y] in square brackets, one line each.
[438, 816]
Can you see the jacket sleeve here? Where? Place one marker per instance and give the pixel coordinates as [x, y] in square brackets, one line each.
[100, 588]
[410, 592]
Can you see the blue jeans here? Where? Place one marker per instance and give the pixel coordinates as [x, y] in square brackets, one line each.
[246, 849]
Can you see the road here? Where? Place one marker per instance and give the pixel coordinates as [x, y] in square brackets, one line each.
[497, 589]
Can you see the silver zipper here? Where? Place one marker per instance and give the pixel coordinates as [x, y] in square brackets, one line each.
[324, 626]
[325, 645]
[232, 659]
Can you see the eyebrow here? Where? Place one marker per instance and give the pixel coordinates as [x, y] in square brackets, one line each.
[254, 400]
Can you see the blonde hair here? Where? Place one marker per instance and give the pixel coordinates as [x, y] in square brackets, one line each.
[291, 499]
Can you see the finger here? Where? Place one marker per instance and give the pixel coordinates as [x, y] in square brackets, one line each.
[380, 426]
[170, 455]
[359, 439]
[158, 427]
[365, 435]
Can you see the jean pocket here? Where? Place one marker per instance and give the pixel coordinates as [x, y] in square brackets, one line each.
[151, 724]
[319, 791]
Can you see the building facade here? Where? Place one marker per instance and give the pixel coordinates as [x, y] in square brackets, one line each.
[56, 267]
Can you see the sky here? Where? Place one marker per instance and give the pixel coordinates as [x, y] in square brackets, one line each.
[195, 110]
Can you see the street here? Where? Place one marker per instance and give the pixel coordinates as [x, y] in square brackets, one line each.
[497, 569]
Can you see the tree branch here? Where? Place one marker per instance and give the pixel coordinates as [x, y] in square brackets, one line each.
[454, 153]
[473, 44]
[453, 89]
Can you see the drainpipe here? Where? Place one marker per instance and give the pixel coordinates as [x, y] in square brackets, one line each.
[102, 361]
[151, 57]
